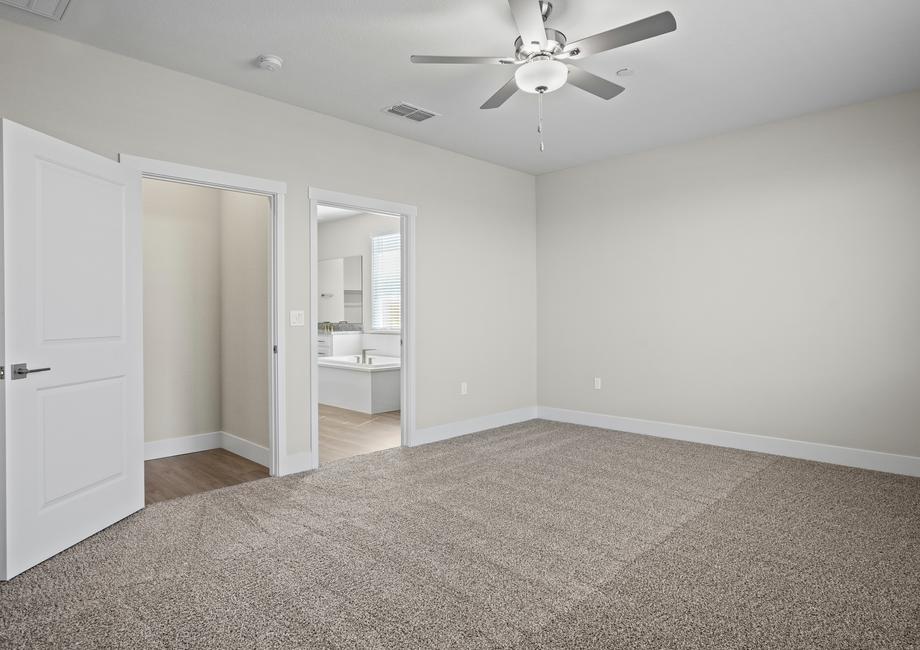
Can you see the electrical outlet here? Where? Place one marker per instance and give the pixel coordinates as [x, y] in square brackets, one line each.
[463, 388]
[597, 383]
[297, 319]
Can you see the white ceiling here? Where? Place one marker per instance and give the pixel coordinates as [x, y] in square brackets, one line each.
[730, 64]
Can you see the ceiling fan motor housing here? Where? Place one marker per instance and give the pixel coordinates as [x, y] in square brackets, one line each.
[555, 43]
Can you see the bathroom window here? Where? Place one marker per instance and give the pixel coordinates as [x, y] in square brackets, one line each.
[386, 294]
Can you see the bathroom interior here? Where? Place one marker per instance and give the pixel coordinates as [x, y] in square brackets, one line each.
[358, 332]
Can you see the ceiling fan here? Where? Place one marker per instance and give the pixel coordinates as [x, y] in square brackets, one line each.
[544, 58]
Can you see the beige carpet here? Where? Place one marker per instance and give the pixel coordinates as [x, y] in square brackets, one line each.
[537, 535]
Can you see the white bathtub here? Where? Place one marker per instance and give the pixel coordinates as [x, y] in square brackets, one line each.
[376, 362]
[371, 387]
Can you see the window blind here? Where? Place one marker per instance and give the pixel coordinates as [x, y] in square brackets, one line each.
[386, 293]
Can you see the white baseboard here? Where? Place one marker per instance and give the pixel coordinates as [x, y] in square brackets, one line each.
[182, 445]
[862, 458]
[294, 463]
[454, 429]
[203, 442]
[246, 449]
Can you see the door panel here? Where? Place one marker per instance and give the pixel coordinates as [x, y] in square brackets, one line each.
[72, 302]
[81, 243]
[75, 417]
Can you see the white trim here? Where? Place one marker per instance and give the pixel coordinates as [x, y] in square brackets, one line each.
[862, 458]
[182, 445]
[171, 171]
[275, 191]
[312, 459]
[407, 214]
[473, 425]
[278, 431]
[205, 441]
[246, 449]
[407, 321]
[356, 202]
[296, 463]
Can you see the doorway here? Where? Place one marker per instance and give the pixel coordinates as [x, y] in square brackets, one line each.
[362, 366]
[211, 344]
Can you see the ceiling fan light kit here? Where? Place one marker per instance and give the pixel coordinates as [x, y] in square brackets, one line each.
[545, 57]
[541, 75]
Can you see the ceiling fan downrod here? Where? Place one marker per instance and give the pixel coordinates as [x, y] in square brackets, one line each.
[540, 115]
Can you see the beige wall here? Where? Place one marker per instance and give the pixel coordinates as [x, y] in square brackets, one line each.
[352, 236]
[206, 312]
[766, 281]
[468, 209]
[182, 312]
[245, 302]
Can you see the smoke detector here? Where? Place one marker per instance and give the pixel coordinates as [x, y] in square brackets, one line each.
[270, 62]
[53, 9]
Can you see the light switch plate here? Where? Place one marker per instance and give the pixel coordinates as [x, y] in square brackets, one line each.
[297, 318]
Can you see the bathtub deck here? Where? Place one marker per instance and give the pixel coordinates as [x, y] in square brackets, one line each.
[344, 433]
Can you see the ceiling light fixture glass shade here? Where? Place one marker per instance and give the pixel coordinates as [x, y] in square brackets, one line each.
[541, 76]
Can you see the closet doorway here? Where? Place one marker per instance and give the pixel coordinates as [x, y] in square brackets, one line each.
[211, 367]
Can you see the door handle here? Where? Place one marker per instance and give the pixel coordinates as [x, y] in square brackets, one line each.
[21, 370]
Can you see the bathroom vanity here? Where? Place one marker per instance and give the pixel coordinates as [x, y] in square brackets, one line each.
[338, 344]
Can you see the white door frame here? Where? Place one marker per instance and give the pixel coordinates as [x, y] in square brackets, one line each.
[407, 214]
[275, 191]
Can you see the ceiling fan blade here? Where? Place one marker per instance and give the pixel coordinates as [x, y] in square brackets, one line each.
[619, 36]
[529, 21]
[504, 94]
[422, 58]
[593, 84]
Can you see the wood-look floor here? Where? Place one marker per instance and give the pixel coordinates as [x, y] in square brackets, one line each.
[344, 433]
[179, 476]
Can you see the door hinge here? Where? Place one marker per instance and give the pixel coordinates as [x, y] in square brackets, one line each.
[275, 349]
[2, 372]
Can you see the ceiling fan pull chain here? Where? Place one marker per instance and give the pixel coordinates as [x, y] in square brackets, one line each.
[540, 118]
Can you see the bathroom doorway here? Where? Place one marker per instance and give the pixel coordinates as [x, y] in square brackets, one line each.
[360, 326]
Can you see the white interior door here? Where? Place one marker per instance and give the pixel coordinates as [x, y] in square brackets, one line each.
[72, 283]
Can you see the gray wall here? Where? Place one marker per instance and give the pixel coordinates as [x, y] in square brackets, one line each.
[766, 281]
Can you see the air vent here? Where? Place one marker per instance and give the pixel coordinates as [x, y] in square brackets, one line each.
[53, 9]
[411, 112]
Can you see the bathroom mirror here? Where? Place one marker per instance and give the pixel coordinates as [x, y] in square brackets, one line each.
[341, 292]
